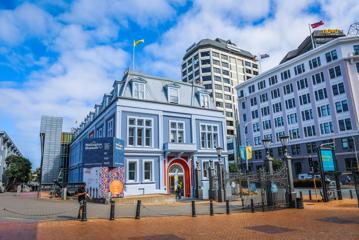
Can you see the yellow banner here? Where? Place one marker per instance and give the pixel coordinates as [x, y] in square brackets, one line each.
[249, 152]
[135, 43]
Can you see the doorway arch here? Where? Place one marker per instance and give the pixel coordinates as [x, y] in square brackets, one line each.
[180, 166]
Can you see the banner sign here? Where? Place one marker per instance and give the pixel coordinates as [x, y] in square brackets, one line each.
[103, 152]
[242, 152]
[249, 152]
[327, 160]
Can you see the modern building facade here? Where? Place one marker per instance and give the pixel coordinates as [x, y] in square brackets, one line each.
[313, 98]
[66, 140]
[219, 66]
[7, 148]
[50, 140]
[168, 129]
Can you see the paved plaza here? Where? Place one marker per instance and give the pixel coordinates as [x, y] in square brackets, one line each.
[333, 220]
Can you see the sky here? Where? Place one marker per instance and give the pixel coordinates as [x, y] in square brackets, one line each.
[59, 57]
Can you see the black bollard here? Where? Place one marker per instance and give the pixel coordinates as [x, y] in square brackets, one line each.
[351, 194]
[262, 206]
[252, 206]
[242, 202]
[211, 208]
[112, 210]
[194, 209]
[227, 207]
[138, 210]
[84, 211]
[310, 194]
[301, 195]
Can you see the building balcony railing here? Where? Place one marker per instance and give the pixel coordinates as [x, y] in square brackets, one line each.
[179, 147]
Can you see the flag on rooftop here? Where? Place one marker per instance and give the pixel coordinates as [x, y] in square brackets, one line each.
[135, 43]
[317, 24]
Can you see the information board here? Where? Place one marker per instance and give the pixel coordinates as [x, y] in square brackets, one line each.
[327, 160]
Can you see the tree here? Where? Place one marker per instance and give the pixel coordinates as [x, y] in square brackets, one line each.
[18, 170]
[277, 164]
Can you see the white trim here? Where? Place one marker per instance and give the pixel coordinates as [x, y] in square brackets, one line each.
[138, 84]
[137, 171]
[212, 132]
[176, 129]
[144, 127]
[152, 170]
[175, 90]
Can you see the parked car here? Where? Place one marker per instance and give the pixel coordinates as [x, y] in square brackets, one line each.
[304, 176]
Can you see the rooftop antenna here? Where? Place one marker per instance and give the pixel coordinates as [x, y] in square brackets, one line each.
[353, 29]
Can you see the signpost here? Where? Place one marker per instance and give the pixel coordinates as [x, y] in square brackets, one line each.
[327, 164]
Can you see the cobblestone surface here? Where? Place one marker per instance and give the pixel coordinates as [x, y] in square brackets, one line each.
[334, 220]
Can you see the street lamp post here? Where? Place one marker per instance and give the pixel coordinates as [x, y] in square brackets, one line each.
[288, 159]
[269, 170]
[42, 142]
[211, 190]
[220, 193]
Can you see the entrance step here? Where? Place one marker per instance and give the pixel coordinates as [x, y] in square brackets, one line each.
[145, 199]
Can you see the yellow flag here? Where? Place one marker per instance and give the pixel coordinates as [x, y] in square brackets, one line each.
[249, 152]
[135, 43]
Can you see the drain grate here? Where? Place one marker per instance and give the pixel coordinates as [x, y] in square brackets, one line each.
[338, 220]
[158, 237]
[271, 229]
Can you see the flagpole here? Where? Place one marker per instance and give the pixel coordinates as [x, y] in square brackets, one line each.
[133, 56]
[311, 36]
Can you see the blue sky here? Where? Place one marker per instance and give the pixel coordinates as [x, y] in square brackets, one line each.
[60, 57]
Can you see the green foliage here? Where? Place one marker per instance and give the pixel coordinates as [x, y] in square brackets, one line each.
[277, 164]
[18, 170]
[232, 167]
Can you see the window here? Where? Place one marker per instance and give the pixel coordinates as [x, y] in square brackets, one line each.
[277, 107]
[267, 124]
[204, 100]
[285, 75]
[173, 95]
[132, 171]
[338, 89]
[357, 67]
[176, 132]
[335, 72]
[341, 106]
[314, 63]
[206, 70]
[217, 78]
[205, 54]
[257, 141]
[225, 72]
[288, 89]
[205, 61]
[251, 89]
[205, 169]
[147, 170]
[278, 122]
[347, 143]
[263, 97]
[345, 124]
[219, 95]
[138, 90]
[331, 56]
[216, 70]
[307, 115]
[295, 149]
[324, 111]
[189, 61]
[99, 132]
[225, 57]
[139, 132]
[292, 118]
[254, 114]
[265, 111]
[318, 78]
[278, 135]
[275, 93]
[326, 128]
[209, 136]
[248, 64]
[227, 89]
[258, 154]
[216, 62]
[297, 167]
[253, 101]
[219, 104]
[206, 78]
[224, 64]
[299, 69]
[110, 128]
[226, 80]
[228, 105]
[294, 133]
[311, 147]
[215, 54]
[208, 86]
[190, 69]
[321, 94]
[356, 49]
[227, 97]
[256, 127]
[304, 99]
[273, 80]
[290, 103]
[302, 84]
[350, 164]
[309, 131]
[262, 84]
[218, 87]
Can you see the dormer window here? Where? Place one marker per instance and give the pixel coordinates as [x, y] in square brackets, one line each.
[173, 95]
[204, 100]
[138, 90]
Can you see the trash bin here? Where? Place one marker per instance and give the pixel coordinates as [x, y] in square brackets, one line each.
[299, 202]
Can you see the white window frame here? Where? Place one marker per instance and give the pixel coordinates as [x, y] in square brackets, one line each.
[136, 91]
[204, 100]
[135, 133]
[171, 90]
[176, 129]
[203, 169]
[206, 134]
[136, 172]
[152, 170]
[109, 123]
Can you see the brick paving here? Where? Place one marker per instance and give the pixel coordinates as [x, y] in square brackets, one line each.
[333, 220]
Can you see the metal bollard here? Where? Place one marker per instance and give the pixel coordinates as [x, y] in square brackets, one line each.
[242, 202]
[194, 209]
[262, 206]
[84, 212]
[138, 210]
[211, 208]
[310, 194]
[301, 195]
[112, 210]
[252, 206]
[227, 207]
[351, 194]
